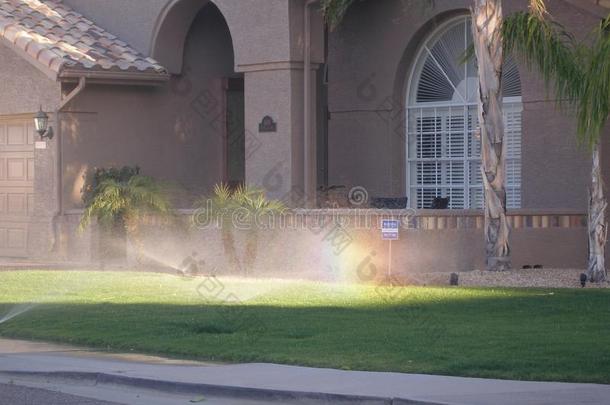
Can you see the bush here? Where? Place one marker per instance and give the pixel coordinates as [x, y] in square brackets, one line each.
[120, 198]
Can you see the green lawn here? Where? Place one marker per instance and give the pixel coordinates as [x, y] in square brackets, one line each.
[532, 334]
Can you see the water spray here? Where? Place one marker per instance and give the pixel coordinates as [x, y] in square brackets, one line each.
[18, 310]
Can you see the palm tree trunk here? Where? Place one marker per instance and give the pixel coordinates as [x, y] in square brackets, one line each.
[113, 244]
[487, 24]
[132, 228]
[228, 242]
[597, 227]
[251, 250]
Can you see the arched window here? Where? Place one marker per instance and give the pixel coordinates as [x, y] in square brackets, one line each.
[444, 154]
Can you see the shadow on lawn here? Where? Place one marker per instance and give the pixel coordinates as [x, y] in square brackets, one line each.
[536, 336]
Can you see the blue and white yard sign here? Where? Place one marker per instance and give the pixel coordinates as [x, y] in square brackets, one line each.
[390, 229]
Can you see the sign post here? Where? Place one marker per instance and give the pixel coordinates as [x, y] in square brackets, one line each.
[390, 231]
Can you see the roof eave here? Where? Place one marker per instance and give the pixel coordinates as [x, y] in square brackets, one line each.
[130, 78]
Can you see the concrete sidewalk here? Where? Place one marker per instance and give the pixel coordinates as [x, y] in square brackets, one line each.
[286, 384]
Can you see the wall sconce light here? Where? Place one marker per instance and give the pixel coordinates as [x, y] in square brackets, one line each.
[41, 123]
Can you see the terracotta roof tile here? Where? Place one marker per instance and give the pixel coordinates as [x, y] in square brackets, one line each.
[61, 39]
[34, 49]
[45, 57]
[11, 33]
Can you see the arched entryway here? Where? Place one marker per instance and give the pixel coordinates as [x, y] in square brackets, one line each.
[194, 41]
[171, 31]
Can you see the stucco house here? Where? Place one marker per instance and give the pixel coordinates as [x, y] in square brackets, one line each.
[199, 92]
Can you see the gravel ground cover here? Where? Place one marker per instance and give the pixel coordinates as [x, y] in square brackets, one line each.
[544, 278]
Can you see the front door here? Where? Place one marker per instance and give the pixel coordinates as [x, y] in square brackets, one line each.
[235, 146]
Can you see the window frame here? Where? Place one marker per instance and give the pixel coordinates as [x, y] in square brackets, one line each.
[514, 188]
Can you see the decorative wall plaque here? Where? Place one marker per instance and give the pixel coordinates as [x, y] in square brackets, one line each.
[267, 125]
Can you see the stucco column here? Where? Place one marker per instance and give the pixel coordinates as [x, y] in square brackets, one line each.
[275, 160]
[274, 86]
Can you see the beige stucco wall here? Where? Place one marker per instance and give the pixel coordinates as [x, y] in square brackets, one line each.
[275, 165]
[23, 88]
[371, 57]
[267, 36]
[315, 247]
[556, 169]
[173, 132]
[260, 29]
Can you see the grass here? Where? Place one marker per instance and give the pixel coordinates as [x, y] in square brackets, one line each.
[529, 334]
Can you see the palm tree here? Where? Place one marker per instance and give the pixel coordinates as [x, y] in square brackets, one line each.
[241, 208]
[487, 24]
[258, 208]
[580, 74]
[219, 208]
[120, 202]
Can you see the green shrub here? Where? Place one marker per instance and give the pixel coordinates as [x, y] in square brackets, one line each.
[120, 198]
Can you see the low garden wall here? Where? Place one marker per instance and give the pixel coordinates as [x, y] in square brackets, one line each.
[343, 244]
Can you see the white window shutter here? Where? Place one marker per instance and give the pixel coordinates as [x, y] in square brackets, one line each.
[443, 150]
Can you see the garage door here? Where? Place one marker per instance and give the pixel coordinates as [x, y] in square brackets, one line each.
[16, 185]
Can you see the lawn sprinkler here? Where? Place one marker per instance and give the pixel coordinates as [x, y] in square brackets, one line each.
[583, 279]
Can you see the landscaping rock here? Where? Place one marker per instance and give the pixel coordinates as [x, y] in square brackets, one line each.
[543, 278]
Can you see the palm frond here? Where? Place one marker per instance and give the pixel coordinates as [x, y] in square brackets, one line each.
[255, 200]
[334, 11]
[548, 47]
[594, 103]
[578, 72]
[148, 195]
[115, 200]
[106, 204]
[225, 201]
[538, 8]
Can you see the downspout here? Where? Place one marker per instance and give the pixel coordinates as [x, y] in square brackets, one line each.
[82, 82]
[310, 153]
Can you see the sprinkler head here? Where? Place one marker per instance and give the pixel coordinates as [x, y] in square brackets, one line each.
[583, 279]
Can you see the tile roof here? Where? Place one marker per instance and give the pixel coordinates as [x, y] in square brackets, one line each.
[61, 40]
